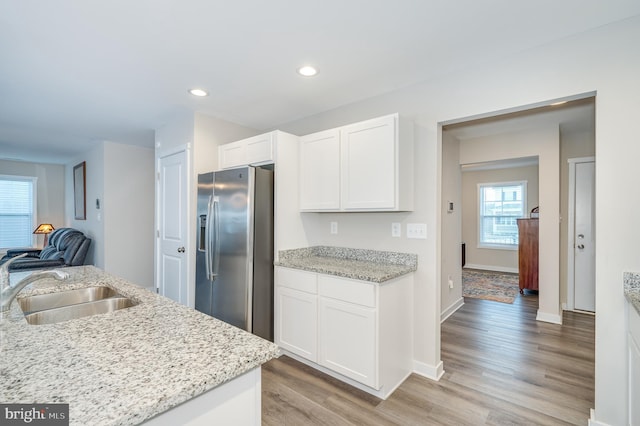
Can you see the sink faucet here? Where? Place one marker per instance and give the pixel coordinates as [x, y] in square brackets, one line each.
[8, 293]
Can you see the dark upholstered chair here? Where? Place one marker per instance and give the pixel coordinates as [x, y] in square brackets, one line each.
[67, 247]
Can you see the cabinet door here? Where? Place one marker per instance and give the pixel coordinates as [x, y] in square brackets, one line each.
[260, 149]
[347, 336]
[320, 171]
[369, 164]
[633, 342]
[296, 322]
[634, 381]
[232, 155]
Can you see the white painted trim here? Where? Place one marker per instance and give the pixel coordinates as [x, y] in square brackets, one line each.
[519, 108]
[500, 164]
[491, 268]
[382, 393]
[433, 372]
[593, 421]
[524, 184]
[547, 317]
[451, 309]
[190, 273]
[35, 220]
[571, 195]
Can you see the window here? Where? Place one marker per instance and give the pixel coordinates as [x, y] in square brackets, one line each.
[500, 205]
[17, 211]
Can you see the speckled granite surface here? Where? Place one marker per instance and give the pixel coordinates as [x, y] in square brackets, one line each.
[124, 367]
[632, 288]
[366, 265]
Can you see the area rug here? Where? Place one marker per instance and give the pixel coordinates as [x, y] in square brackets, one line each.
[490, 285]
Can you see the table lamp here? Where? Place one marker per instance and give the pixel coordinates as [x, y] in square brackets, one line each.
[44, 228]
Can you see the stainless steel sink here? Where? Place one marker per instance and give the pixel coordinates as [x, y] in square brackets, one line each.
[80, 310]
[58, 299]
[72, 304]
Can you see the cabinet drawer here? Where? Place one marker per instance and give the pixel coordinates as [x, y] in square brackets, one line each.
[360, 292]
[297, 280]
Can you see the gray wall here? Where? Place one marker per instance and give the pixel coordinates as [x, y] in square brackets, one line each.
[122, 178]
[489, 258]
[50, 186]
[602, 61]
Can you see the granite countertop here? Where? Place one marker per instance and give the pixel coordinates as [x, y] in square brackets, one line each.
[124, 367]
[632, 289]
[360, 264]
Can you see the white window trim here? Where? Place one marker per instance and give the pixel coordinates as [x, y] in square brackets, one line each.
[482, 245]
[34, 218]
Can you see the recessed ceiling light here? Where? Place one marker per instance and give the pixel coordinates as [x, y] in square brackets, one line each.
[307, 71]
[198, 92]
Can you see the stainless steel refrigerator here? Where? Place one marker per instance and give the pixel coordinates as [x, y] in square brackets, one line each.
[234, 256]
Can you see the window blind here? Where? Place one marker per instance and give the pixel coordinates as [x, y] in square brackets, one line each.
[17, 211]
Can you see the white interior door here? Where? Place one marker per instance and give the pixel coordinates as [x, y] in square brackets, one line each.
[173, 184]
[584, 237]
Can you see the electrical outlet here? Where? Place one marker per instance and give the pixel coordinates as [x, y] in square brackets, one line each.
[450, 282]
[396, 229]
[334, 227]
[417, 231]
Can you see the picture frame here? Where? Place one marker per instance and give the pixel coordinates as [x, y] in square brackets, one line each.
[79, 191]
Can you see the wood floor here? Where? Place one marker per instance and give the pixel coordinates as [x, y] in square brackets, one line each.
[502, 367]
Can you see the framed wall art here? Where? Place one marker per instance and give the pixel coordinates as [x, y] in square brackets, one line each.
[79, 191]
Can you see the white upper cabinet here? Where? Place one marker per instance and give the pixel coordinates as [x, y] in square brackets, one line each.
[365, 166]
[320, 171]
[251, 151]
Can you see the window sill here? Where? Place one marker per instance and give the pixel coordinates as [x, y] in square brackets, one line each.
[498, 247]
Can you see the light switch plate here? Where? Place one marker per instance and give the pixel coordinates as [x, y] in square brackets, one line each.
[396, 229]
[417, 231]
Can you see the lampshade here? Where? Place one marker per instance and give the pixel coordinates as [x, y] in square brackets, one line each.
[44, 228]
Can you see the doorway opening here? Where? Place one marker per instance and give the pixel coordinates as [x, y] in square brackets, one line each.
[547, 137]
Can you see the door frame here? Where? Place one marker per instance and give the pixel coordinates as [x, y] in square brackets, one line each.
[188, 270]
[571, 196]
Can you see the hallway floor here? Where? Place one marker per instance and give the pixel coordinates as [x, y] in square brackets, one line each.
[502, 367]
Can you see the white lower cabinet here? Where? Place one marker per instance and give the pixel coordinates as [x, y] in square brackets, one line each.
[297, 322]
[348, 336]
[296, 312]
[634, 365]
[357, 331]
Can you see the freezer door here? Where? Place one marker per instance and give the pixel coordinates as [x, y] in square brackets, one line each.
[232, 260]
[203, 283]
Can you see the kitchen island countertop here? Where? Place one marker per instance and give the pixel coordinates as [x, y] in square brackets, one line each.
[124, 367]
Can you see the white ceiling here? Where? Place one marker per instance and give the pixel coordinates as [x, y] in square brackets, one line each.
[73, 72]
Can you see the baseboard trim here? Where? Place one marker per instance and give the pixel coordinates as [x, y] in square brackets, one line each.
[382, 393]
[491, 268]
[547, 317]
[593, 421]
[433, 372]
[451, 309]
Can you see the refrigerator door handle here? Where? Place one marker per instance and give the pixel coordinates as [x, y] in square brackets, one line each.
[207, 239]
[215, 259]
